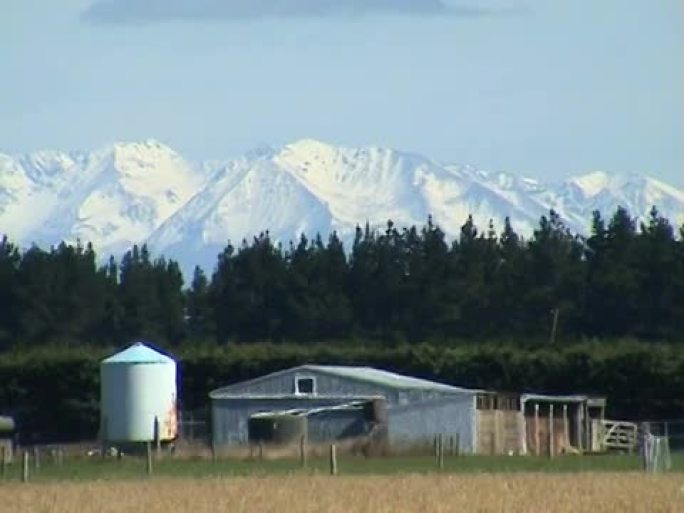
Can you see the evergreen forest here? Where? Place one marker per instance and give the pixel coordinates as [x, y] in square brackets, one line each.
[408, 285]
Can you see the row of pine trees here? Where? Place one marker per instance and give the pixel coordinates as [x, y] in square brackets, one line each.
[626, 279]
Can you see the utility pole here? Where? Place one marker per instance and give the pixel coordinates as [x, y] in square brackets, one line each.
[554, 326]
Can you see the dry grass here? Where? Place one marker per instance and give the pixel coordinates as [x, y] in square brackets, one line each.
[502, 493]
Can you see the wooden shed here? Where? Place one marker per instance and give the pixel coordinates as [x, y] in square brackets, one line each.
[537, 424]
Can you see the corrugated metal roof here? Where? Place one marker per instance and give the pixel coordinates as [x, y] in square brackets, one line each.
[574, 398]
[367, 374]
[384, 378]
[354, 405]
[138, 353]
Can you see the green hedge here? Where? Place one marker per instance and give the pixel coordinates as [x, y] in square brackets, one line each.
[53, 392]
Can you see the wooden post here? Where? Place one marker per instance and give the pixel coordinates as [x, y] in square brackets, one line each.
[452, 449]
[157, 437]
[333, 460]
[25, 467]
[497, 432]
[578, 428]
[551, 437]
[537, 448]
[566, 426]
[148, 447]
[36, 457]
[458, 444]
[213, 451]
[261, 450]
[3, 460]
[302, 451]
[440, 459]
[435, 447]
[587, 428]
[103, 437]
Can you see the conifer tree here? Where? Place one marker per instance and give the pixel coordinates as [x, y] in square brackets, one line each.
[10, 259]
[199, 313]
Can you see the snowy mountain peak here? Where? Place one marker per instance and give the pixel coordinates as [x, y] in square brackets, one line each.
[132, 157]
[309, 146]
[592, 184]
[135, 192]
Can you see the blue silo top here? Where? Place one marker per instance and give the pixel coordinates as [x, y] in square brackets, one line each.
[138, 353]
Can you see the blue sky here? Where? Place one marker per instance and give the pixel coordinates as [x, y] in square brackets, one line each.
[546, 88]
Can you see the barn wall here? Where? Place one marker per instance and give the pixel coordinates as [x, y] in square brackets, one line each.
[408, 424]
[422, 421]
[500, 432]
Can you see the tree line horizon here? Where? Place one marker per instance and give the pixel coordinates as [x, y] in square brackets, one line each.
[625, 279]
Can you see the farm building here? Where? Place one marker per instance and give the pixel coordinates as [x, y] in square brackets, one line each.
[332, 396]
[340, 402]
[138, 396]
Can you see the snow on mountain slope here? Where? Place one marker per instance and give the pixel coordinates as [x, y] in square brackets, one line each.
[376, 184]
[576, 198]
[145, 192]
[242, 199]
[30, 188]
[113, 197]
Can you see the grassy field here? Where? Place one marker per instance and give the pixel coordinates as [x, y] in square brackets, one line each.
[135, 467]
[625, 492]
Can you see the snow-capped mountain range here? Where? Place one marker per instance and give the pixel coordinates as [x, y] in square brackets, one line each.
[144, 191]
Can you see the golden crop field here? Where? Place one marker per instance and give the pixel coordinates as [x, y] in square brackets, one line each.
[483, 493]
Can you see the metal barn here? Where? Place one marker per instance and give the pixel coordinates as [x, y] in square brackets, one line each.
[332, 397]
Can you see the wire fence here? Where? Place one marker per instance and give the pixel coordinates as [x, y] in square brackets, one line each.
[673, 430]
[194, 427]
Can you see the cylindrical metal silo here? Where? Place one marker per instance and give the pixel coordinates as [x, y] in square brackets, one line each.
[138, 396]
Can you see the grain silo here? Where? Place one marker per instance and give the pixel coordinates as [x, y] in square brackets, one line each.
[138, 396]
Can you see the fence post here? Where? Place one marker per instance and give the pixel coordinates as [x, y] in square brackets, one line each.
[458, 444]
[261, 450]
[566, 427]
[148, 450]
[551, 434]
[25, 467]
[302, 451]
[103, 438]
[157, 437]
[333, 460]
[440, 459]
[36, 457]
[537, 448]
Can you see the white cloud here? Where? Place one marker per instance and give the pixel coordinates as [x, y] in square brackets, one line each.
[149, 11]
